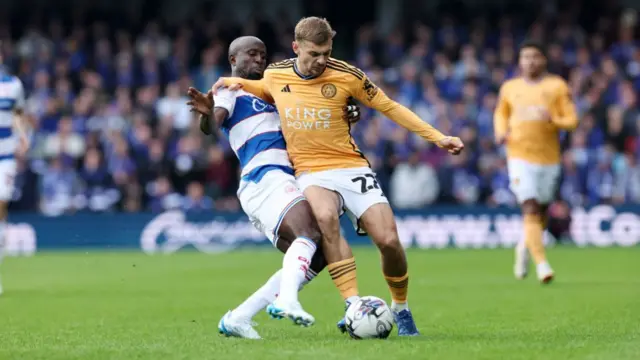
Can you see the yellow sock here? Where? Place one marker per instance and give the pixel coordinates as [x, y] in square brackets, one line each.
[398, 286]
[533, 231]
[343, 274]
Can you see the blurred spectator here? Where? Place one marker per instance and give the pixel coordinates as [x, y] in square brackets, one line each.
[172, 108]
[162, 196]
[59, 187]
[208, 71]
[100, 192]
[64, 142]
[413, 184]
[196, 200]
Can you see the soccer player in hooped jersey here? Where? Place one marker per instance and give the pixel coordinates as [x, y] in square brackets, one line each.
[11, 105]
[309, 92]
[268, 191]
[531, 111]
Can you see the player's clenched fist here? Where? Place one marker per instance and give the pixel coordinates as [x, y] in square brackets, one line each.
[453, 144]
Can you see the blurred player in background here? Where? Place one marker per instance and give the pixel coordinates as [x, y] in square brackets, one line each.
[268, 191]
[310, 92]
[11, 124]
[531, 111]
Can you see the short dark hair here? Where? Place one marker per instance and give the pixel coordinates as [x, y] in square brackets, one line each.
[314, 29]
[530, 43]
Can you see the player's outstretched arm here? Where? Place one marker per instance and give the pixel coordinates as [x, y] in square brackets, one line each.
[258, 88]
[565, 116]
[204, 105]
[501, 118]
[371, 96]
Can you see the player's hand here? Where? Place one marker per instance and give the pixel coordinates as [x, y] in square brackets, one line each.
[200, 102]
[220, 84]
[352, 113]
[453, 144]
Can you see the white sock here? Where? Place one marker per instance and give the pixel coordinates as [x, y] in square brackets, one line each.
[266, 295]
[399, 307]
[295, 266]
[260, 299]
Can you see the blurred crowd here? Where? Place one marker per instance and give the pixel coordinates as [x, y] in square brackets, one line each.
[111, 130]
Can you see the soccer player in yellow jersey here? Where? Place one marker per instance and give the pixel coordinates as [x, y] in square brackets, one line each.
[531, 111]
[310, 92]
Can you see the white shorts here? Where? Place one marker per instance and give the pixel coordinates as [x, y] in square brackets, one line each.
[267, 202]
[532, 181]
[358, 189]
[8, 170]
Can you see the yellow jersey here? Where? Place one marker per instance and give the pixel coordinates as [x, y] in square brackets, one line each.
[312, 109]
[529, 136]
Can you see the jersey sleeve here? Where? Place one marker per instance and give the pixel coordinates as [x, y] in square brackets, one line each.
[225, 99]
[501, 115]
[369, 94]
[564, 115]
[259, 88]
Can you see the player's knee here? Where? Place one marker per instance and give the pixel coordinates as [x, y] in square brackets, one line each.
[531, 207]
[389, 243]
[328, 220]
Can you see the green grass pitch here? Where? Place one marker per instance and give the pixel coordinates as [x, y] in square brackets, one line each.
[466, 303]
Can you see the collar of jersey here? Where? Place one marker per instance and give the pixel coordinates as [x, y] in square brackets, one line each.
[304, 77]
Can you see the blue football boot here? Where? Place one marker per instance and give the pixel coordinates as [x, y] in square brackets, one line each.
[405, 323]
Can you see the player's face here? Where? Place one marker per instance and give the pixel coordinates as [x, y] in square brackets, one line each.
[252, 61]
[313, 58]
[532, 62]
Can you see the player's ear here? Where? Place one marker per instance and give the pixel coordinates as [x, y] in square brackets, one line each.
[296, 47]
[232, 60]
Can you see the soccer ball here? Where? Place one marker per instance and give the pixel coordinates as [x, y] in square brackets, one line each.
[369, 318]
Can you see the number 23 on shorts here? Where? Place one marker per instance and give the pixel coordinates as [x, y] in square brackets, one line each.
[367, 182]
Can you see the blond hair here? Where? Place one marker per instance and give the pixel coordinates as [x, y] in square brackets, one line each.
[314, 29]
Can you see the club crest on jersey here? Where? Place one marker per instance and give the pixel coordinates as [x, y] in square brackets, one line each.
[329, 90]
[259, 105]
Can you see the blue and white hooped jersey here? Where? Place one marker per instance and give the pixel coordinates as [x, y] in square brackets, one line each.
[253, 129]
[11, 98]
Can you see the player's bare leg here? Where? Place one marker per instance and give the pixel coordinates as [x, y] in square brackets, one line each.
[341, 263]
[298, 220]
[3, 232]
[380, 224]
[534, 220]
